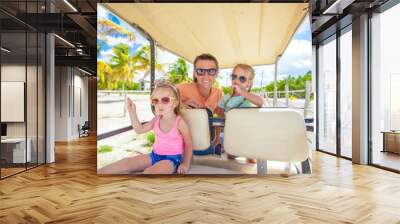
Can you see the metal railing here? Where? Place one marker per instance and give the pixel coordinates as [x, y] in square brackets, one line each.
[296, 99]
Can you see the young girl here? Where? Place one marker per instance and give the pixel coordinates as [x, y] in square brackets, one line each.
[172, 149]
[242, 80]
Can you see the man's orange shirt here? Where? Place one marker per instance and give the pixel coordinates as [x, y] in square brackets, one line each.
[189, 91]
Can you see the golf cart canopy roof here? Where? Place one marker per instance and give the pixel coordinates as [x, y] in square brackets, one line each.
[253, 33]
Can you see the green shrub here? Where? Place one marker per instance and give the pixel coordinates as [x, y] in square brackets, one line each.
[227, 89]
[104, 149]
[150, 138]
[295, 83]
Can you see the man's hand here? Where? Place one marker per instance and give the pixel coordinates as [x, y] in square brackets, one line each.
[191, 104]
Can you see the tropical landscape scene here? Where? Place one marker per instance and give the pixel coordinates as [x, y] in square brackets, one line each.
[123, 70]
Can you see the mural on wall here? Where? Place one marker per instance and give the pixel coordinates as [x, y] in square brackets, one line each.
[204, 104]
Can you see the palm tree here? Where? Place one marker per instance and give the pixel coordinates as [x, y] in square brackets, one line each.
[123, 68]
[108, 79]
[104, 73]
[122, 63]
[178, 72]
[125, 65]
[142, 60]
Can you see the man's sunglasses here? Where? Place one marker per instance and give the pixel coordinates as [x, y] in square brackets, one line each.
[242, 79]
[210, 71]
[163, 100]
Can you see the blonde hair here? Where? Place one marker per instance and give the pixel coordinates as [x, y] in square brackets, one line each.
[165, 85]
[247, 69]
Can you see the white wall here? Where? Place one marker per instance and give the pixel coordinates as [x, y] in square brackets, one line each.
[70, 83]
[61, 103]
[33, 127]
[12, 73]
[81, 89]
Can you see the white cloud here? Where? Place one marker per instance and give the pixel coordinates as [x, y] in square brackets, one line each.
[304, 27]
[297, 59]
[299, 48]
[165, 56]
[106, 55]
[303, 63]
[263, 75]
[101, 12]
[107, 52]
[113, 41]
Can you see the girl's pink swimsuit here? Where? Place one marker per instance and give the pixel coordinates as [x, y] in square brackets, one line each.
[170, 143]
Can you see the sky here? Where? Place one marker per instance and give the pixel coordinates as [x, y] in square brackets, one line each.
[295, 61]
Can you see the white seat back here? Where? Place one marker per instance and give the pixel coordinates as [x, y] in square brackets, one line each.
[275, 134]
[197, 120]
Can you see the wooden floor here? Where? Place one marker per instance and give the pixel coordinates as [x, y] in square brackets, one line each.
[10, 171]
[70, 191]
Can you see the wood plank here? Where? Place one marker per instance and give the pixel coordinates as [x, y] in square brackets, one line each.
[70, 191]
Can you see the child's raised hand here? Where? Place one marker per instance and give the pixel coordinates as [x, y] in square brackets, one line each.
[236, 89]
[131, 106]
[183, 168]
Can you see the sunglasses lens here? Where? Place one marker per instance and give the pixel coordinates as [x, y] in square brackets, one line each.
[200, 71]
[212, 71]
[154, 101]
[242, 79]
[165, 100]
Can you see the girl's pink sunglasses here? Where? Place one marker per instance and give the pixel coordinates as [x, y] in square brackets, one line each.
[163, 100]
